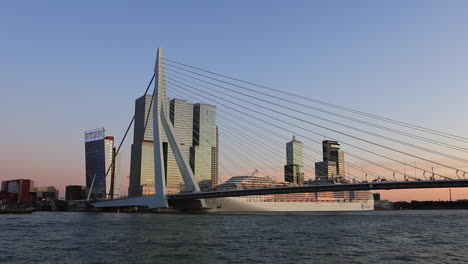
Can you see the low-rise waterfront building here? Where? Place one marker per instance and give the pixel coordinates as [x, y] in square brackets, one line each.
[21, 188]
[75, 192]
[47, 192]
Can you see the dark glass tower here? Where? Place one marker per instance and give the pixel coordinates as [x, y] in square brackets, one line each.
[98, 159]
[332, 167]
[332, 153]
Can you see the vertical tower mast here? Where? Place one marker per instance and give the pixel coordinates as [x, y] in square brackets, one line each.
[162, 124]
[158, 104]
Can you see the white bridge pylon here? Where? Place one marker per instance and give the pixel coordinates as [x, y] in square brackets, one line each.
[162, 125]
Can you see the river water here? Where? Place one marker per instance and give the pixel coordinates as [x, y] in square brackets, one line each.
[354, 237]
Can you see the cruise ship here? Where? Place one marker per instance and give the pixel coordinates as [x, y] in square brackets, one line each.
[293, 202]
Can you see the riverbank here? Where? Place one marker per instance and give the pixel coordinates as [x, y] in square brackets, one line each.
[430, 205]
[17, 210]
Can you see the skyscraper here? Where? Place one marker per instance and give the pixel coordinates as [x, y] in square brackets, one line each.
[204, 153]
[99, 151]
[196, 134]
[215, 161]
[332, 152]
[142, 155]
[333, 162]
[181, 115]
[294, 168]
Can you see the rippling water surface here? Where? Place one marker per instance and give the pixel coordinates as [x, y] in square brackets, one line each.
[357, 237]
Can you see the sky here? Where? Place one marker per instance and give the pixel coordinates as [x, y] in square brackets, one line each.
[66, 67]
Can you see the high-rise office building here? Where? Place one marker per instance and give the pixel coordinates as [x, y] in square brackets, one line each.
[196, 134]
[333, 162]
[215, 161]
[325, 170]
[142, 153]
[294, 168]
[332, 152]
[99, 151]
[204, 153]
[181, 115]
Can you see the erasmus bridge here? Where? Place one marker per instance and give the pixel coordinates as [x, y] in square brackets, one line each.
[256, 120]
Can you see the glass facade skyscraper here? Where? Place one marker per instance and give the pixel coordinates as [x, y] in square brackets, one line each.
[204, 153]
[142, 161]
[142, 152]
[294, 168]
[332, 153]
[98, 159]
[195, 132]
[333, 164]
[181, 115]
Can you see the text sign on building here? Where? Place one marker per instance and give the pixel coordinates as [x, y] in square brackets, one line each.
[94, 134]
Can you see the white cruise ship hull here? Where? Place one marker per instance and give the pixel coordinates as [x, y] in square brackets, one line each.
[247, 204]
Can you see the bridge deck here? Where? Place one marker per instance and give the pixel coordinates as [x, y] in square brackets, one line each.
[326, 187]
[150, 200]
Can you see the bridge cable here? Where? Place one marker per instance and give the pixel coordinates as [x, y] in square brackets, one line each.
[386, 157]
[324, 119]
[305, 146]
[198, 141]
[432, 141]
[330, 129]
[126, 132]
[232, 135]
[293, 132]
[283, 136]
[404, 124]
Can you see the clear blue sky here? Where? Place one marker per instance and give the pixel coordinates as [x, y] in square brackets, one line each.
[70, 66]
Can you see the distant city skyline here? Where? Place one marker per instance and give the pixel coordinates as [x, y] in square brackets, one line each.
[81, 65]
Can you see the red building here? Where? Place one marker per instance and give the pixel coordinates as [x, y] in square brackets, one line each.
[21, 188]
[8, 197]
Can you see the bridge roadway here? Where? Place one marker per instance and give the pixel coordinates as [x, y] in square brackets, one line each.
[324, 188]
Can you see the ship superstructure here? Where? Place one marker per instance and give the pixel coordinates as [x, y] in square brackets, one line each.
[318, 201]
